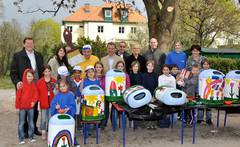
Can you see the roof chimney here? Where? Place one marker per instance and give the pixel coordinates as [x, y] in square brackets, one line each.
[87, 7]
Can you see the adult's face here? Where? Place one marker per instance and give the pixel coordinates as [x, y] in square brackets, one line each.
[28, 45]
[178, 46]
[136, 50]
[195, 53]
[87, 53]
[122, 47]
[61, 53]
[153, 43]
[111, 50]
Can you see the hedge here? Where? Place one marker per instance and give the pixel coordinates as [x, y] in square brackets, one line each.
[224, 64]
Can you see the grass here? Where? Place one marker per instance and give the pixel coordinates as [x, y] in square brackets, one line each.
[6, 83]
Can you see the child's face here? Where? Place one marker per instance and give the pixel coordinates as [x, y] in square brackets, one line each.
[150, 67]
[135, 68]
[195, 71]
[29, 77]
[206, 65]
[77, 74]
[166, 71]
[90, 73]
[63, 87]
[99, 68]
[174, 70]
[120, 66]
[47, 72]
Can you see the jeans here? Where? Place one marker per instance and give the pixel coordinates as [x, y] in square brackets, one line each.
[200, 115]
[45, 115]
[22, 115]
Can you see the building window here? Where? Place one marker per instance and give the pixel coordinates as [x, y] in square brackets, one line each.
[80, 26]
[100, 29]
[124, 13]
[121, 30]
[108, 13]
[69, 28]
[133, 30]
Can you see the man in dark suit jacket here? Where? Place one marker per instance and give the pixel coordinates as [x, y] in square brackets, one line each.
[27, 58]
[122, 51]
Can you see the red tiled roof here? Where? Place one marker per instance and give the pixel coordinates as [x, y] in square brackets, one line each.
[96, 14]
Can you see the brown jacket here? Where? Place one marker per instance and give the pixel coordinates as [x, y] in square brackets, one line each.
[105, 62]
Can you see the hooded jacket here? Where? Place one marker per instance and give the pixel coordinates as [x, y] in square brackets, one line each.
[45, 102]
[27, 94]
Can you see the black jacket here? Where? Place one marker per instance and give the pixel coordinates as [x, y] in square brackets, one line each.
[150, 81]
[140, 59]
[20, 62]
[125, 55]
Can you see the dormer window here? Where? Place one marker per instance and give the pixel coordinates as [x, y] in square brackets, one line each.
[124, 15]
[107, 12]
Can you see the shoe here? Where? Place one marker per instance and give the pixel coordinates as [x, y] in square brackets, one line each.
[209, 122]
[32, 140]
[37, 133]
[21, 142]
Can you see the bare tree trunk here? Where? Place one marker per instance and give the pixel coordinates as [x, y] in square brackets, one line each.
[161, 20]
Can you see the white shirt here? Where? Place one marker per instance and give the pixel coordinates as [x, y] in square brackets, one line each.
[110, 62]
[167, 81]
[31, 56]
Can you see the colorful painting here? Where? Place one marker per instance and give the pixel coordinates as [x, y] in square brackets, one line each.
[211, 89]
[232, 88]
[115, 86]
[93, 107]
[62, 139]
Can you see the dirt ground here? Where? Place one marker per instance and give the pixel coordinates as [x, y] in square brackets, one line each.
[205, 136]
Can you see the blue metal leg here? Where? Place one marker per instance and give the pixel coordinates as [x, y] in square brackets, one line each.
[194, 126]
[96, 133]
[84, 133]
[182, 129]
[113, 119]
[123, 127]
[218, 118]
[225, 119]
[172, 117]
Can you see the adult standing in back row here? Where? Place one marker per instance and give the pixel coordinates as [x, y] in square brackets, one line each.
[155, 54]
[177, 56]
[122, 51]
[111, 59]
[27, 58]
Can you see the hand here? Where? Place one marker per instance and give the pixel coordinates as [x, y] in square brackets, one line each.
[32, 104]
[61, 111]
[57, 107]
[19, 85]
[66, 110]
[17, 111]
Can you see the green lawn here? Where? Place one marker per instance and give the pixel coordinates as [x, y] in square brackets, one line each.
[6, 83]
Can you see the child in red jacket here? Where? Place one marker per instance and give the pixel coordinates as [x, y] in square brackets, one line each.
[26, 98]
[45, 87]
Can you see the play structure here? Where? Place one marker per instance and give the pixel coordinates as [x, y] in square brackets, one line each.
[137, 96]
[93, 103]
[61, 131]
[115, 85]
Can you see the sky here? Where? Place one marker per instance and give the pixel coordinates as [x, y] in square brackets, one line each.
[10, 11]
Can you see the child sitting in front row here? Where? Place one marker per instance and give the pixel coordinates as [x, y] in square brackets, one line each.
[166, 79]
[135, 74]
[64, 101]
[26, 99]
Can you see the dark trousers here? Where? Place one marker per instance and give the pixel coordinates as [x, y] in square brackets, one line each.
[35, 118]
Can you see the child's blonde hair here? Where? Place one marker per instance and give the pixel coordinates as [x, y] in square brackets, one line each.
[150, 62]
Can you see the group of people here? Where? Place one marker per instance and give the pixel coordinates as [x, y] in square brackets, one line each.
[55, 90]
